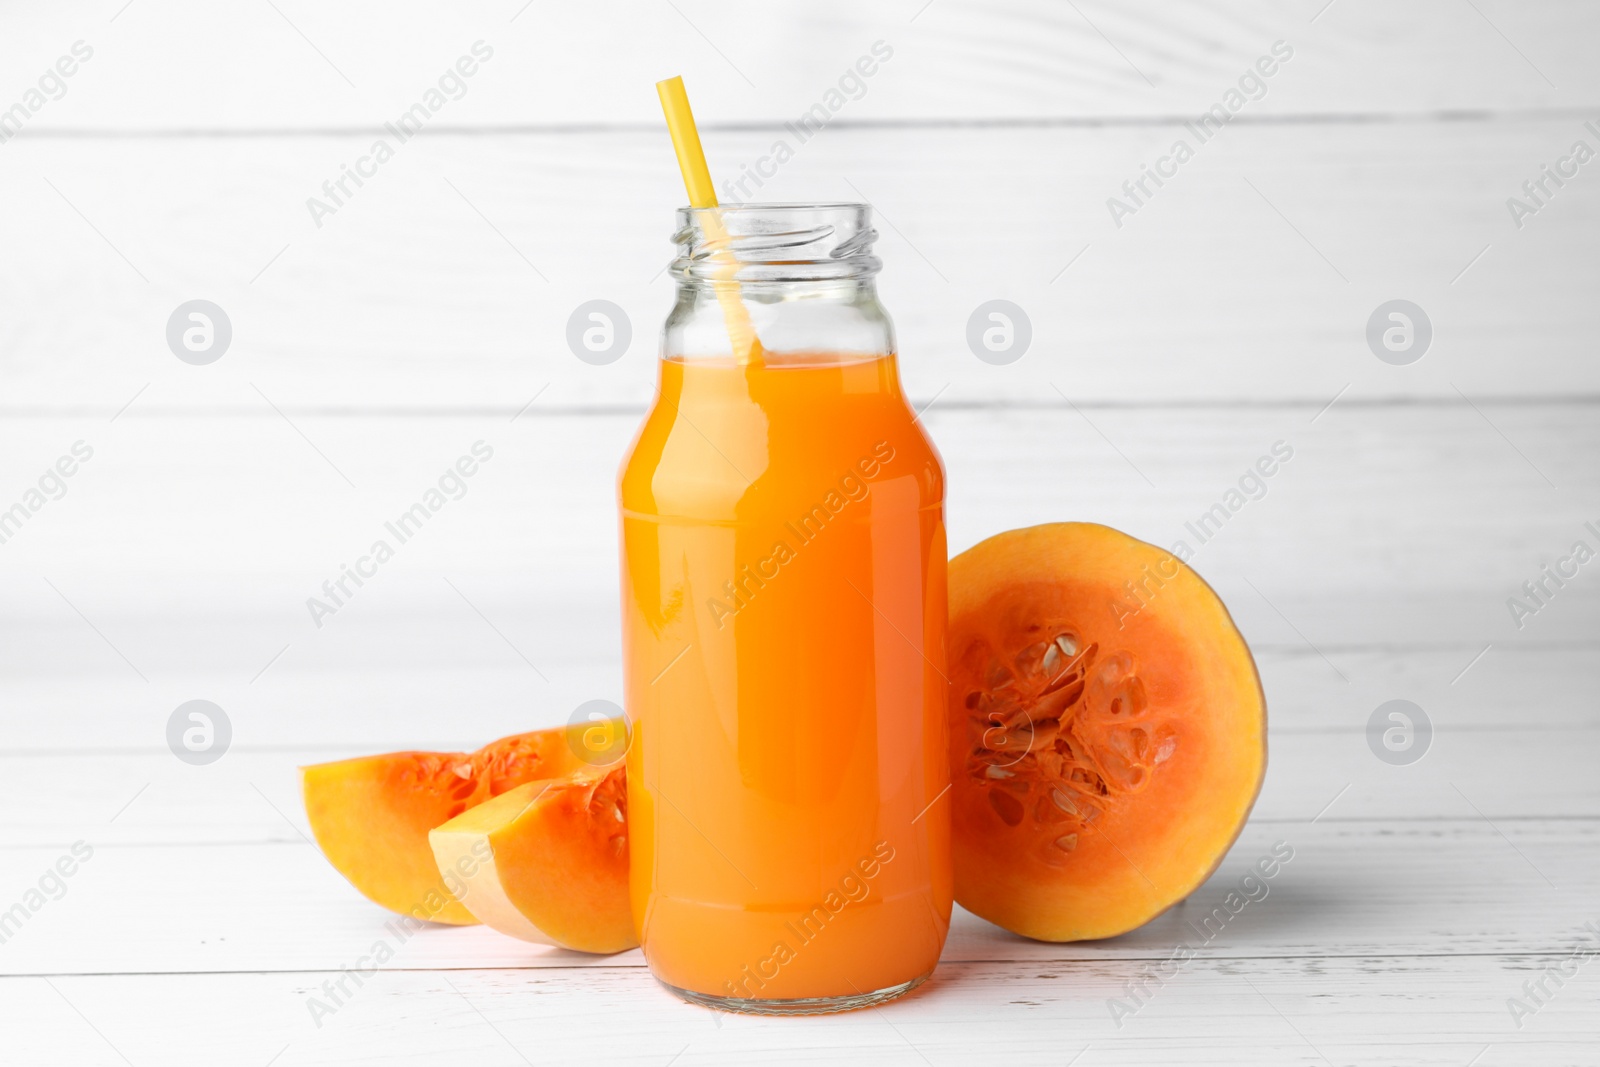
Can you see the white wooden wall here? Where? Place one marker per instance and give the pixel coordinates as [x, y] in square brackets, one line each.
[1168, 354]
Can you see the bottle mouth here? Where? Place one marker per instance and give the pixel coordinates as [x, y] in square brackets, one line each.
[755, 243]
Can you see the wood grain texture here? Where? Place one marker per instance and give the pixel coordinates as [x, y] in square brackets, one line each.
[447, 280]
[362, 63]
[179, 562]
[142, 797]
[1436, 1010]
[1429, 500]
[1355, 887]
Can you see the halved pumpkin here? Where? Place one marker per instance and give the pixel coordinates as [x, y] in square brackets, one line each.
[546, 862]
[1108, 730]
[371, 815]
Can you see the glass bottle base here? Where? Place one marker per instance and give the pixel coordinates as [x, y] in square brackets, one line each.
[797, 1005]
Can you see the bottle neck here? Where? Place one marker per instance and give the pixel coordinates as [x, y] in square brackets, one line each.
[801, 276]
[841, 319]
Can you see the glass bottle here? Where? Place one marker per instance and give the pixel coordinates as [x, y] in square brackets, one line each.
[783, 587]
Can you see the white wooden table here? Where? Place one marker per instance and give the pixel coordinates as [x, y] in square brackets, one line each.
[1227, 314]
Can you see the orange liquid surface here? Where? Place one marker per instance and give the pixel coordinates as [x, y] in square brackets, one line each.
[783, 625]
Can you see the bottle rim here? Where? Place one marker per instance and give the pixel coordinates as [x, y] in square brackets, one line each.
[778, 205]
[762, 243]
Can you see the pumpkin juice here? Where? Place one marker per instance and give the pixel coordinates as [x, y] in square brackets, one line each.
[784, 611]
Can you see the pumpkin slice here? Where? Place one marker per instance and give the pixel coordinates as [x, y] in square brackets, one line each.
[547, 862]
[1107, 726]
[371, 815]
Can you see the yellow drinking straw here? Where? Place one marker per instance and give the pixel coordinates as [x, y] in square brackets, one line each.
[697, 182]
[686, 142]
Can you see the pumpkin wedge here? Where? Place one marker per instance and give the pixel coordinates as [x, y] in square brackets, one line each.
[371, 815]
[546, 862]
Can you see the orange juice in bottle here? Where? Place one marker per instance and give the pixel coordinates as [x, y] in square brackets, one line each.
[783, 588]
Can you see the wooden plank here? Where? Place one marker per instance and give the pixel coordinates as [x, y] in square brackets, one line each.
[383, 703]
[1249, 277]
[1399, 1011]
[140, 797]
[366, 63]
[1387, 861]
[1419, 502]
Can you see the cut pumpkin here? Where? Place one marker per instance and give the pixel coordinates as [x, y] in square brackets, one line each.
[546, 862]
[1108, 731]
[371, 815]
